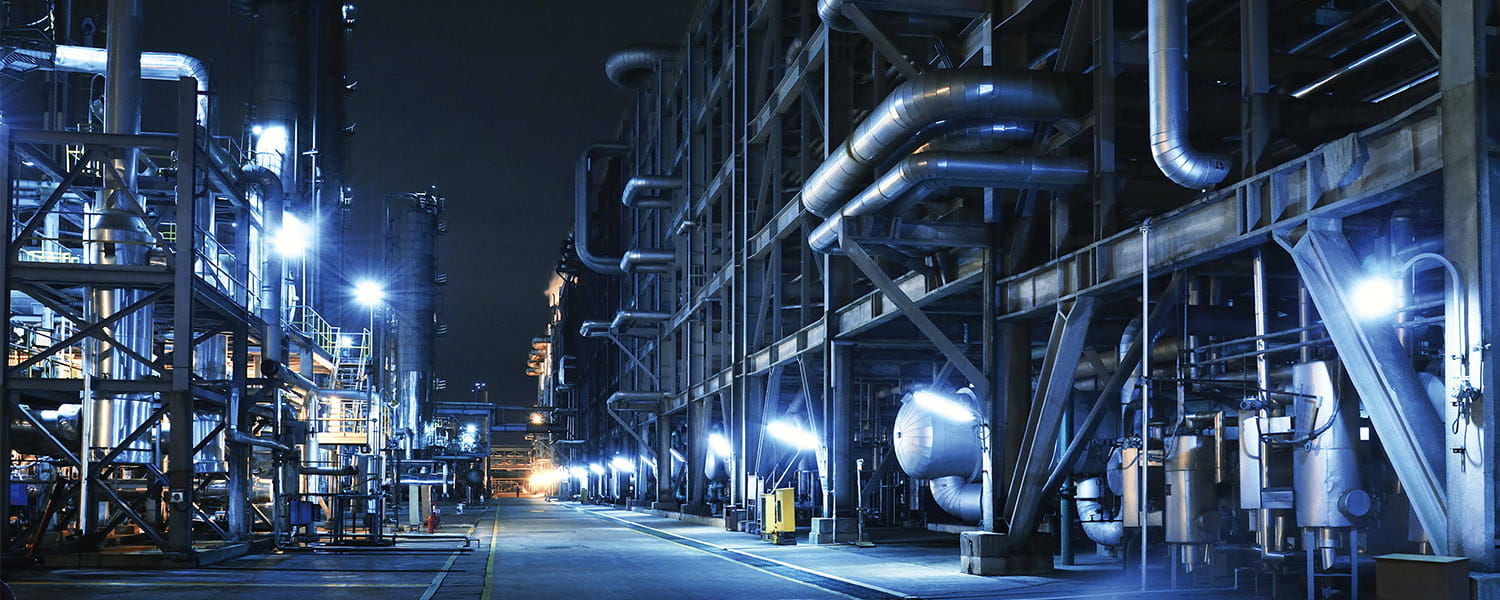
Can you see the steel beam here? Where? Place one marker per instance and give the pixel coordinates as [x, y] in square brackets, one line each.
[180, 400]
[1054, 391]
[1343, 177]
[1382, 374]
[934, 334]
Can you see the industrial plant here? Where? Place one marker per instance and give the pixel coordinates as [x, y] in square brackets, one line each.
[860, 298]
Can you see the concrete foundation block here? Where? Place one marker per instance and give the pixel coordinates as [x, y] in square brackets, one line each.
[987, 553]
[667, 506]
[1484, 586]
[832, 531]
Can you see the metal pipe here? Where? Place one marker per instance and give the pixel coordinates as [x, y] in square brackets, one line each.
[597, 263]
[1356, 65]
[158, 66]
[1166, 75]
[959, 497]
[640, 184]
[626, 316]
[331, 471]
[240, 437]
[921, 175]
[593, 328]
[1100, 527]
[955, 96]
[631, 67]
[647, 261]
[832, 11]
[273, 200]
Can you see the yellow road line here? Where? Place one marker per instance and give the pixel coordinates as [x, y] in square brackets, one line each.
[489, 569]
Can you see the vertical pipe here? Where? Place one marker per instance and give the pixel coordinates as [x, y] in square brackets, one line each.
[1145, 412]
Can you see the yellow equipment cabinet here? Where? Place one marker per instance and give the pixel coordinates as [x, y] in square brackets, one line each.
[778, 516]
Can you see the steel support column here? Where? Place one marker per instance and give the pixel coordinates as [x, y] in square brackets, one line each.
[1054, 391]
[1470, 241]
[180, 400]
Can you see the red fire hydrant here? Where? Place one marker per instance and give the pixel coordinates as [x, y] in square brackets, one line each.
[434, 519]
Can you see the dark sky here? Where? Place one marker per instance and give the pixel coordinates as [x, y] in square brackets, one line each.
[491, 101]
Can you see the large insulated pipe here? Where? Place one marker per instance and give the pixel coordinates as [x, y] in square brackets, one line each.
[273, 201]
[959, 497]
[159, 66]
[956, 96]
[924, 174]
[1166, 38]
[647, 261]
[634, 316]
[1101, 527]
[832, 11]
[640, 185]
[631, 67]
[596, 263]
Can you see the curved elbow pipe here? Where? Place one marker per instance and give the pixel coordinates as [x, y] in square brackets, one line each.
[919, 176]
[958, 497]
[593, 328]
[1102, 528]
[641, 184]
[954, 96]
[276, 370]
[630, 67]
[596, 263]
[244, 439]
[629, 316]
[160, 66]
[1166, 38]
[832, 14]
[647, 261]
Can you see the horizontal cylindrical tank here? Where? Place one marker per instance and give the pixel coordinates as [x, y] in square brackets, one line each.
[929, 446]
[1192, 515]
[1326, 461]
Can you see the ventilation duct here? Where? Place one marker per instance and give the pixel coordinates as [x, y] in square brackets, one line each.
[596, 263]
[921, 175]
[955, 96]
[1166, 74]
[647, 261]
[626, 317]
[631, 67]
[1104, 529]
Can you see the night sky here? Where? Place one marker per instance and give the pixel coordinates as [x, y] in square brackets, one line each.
[491, 101]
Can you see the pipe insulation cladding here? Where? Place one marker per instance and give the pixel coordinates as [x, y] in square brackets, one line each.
[961, 97]
[1166, 76]
[945, 452]
[631, 67]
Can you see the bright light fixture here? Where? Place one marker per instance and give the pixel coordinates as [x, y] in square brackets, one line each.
[597, 468]
[719, 445]
[793, 435]
[620, 463]
[579, 473]
[271, 145]
[369, 293]
[943, 406]
[471, 428]
[677, 455]
[1374, 297]
[536, 418]
[293, 238]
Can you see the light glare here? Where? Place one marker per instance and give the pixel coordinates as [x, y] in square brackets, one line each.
[620, 463]
[293, 238]
[677, 455]
[792, 435]
[596, 468]
[369, 293]
[719, 445]
[943, 406]
[1374, 297]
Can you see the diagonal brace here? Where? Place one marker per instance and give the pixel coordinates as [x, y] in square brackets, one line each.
[904, 303]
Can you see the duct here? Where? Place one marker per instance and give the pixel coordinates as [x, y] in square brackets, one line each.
[958, 497]
[594, 328]
[631, 67]
[303, 385]
[1101, 527]
[640, 184]
[647, 261]
[596, 263]
[159, 66]
[922, 175]
[982, 138]
[954, 96]
[928, 446]
[1166, 70]
[633, 400]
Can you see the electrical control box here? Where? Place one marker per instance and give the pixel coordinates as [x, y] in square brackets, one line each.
[778, 516]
